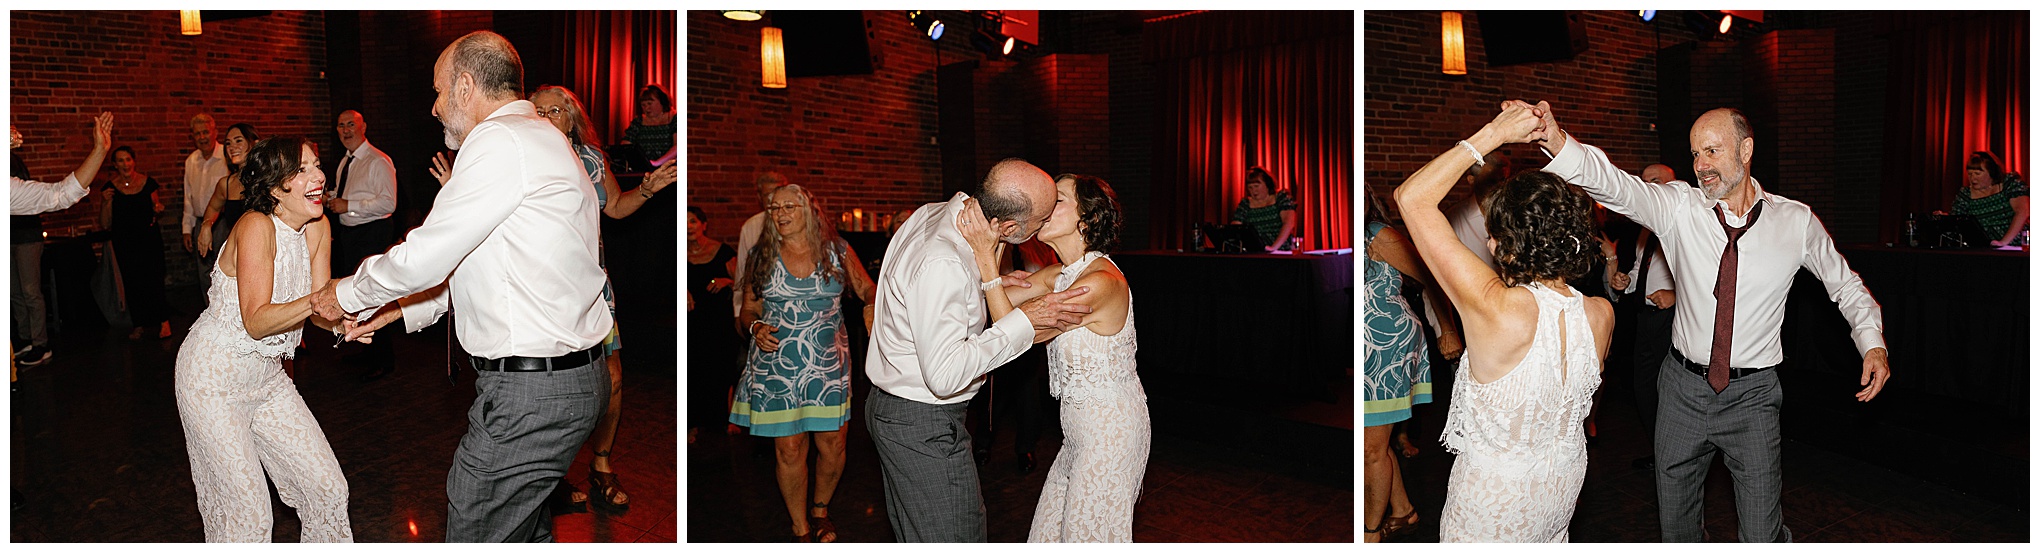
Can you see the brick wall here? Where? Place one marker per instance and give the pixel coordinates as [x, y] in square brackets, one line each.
[1812, 84]
[1413, 111]
[874, 141]
[858, 141]
[67, 66]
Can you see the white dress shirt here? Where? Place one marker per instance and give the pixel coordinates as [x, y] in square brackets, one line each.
[371, 190]
[27, 197]
[1660, 274]
[201, 176]
[747, 238]
[515, 227]
[1769, 255]
[929, 342]
[1471, 228]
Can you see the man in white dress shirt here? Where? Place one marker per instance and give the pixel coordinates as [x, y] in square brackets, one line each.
[1646, 288]
[27, 198]
[362, 197]
[1716, 391]
[514, 228]
[747, 236]
[203, 170]
[930, 350]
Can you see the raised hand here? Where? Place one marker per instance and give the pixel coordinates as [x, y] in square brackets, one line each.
[1055, 311]
[102, 130]
[442, 168]
[1518, 123]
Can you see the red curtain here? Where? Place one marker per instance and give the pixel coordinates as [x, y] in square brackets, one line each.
[1957, 86]
[614, 53]
[1239, 90]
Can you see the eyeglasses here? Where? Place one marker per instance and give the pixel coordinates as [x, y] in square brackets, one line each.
[775, 208]
[551, 113]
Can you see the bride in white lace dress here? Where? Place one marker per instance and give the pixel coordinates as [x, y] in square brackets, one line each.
[1534, 345]
[242, 415]
[1095, 481]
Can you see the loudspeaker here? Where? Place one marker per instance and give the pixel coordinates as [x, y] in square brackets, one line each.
[1514, 37]
[822, 43]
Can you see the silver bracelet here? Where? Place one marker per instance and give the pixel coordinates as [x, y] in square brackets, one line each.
[1470, 150]
[988, 285]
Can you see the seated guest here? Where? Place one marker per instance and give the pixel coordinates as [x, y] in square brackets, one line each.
[653, 132]
[1271, 213]
[1995, 197]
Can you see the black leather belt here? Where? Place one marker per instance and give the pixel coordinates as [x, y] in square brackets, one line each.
[1701, 368]
[538, 364]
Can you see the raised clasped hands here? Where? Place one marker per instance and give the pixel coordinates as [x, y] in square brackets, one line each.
[1521, 122]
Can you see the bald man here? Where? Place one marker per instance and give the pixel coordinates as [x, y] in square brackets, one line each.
[1716, 390]
[930, 350]
[362, 199]
[1646, 288]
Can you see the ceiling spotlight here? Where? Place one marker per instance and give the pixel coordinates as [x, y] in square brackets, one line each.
[927, 23]
[744, 15]
[1647, 15]
[1008, 48]
[1726, 21]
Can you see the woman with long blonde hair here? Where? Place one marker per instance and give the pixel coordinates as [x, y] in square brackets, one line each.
[797, 379]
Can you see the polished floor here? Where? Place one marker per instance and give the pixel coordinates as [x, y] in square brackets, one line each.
[98, 453]
[1828, 496]
[1199, 487]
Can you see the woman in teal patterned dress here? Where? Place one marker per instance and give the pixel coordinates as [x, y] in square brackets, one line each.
[1398, 371]
[797, 381]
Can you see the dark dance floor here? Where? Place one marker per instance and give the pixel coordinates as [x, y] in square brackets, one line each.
[1195, 491]
[1829, 497]
[98, 453]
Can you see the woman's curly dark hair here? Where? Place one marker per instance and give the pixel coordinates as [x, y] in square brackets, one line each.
[1098, 213]
[1543, 229]
[272, 162]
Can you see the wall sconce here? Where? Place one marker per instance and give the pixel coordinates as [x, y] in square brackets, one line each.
[1455, 44]
[773, 53]
[188, 21]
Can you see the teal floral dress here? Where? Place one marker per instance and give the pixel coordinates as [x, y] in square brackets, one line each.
[805, 386]
[1398, 364]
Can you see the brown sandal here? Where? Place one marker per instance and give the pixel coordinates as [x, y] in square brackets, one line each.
[1396, 526]
[820, 527]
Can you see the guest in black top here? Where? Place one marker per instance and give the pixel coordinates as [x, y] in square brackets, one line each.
[129, 211]
[713, 345]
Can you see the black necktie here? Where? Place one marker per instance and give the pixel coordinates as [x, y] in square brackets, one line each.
[1724, 300]
[1650, 248]
[341, 185]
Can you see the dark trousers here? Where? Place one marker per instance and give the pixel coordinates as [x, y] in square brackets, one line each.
[1741, 422]
[350, 246]
[1016, 395]
[1653, 335]
[931, 484]
[30, 313]
[139, 252]
[523, 431]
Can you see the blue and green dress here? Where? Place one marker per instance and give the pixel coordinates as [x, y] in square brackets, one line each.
[805, 386]
[1398, 364]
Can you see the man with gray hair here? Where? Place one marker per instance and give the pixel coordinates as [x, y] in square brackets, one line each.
[203, 170]
[747, 237]
[510, 245]
[930, 350]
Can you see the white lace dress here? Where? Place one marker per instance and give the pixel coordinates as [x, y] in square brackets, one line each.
[1096, 477]
[1522, 452]
[243, 417]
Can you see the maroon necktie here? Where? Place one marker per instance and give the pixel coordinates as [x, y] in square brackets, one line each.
[1724, 300]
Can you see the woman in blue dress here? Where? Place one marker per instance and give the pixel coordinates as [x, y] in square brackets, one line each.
[797, 380]
[1398, 370]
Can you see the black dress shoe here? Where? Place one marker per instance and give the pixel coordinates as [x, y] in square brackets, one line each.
[1644, 463]
[1026, 463]
[981, 455]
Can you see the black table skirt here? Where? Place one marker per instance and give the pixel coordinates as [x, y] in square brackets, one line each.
[1955, 323]
[1278, 327]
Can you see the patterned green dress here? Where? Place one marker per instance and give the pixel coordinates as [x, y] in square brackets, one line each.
[1398, 363]
[1267, 221]
[1993, 212]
